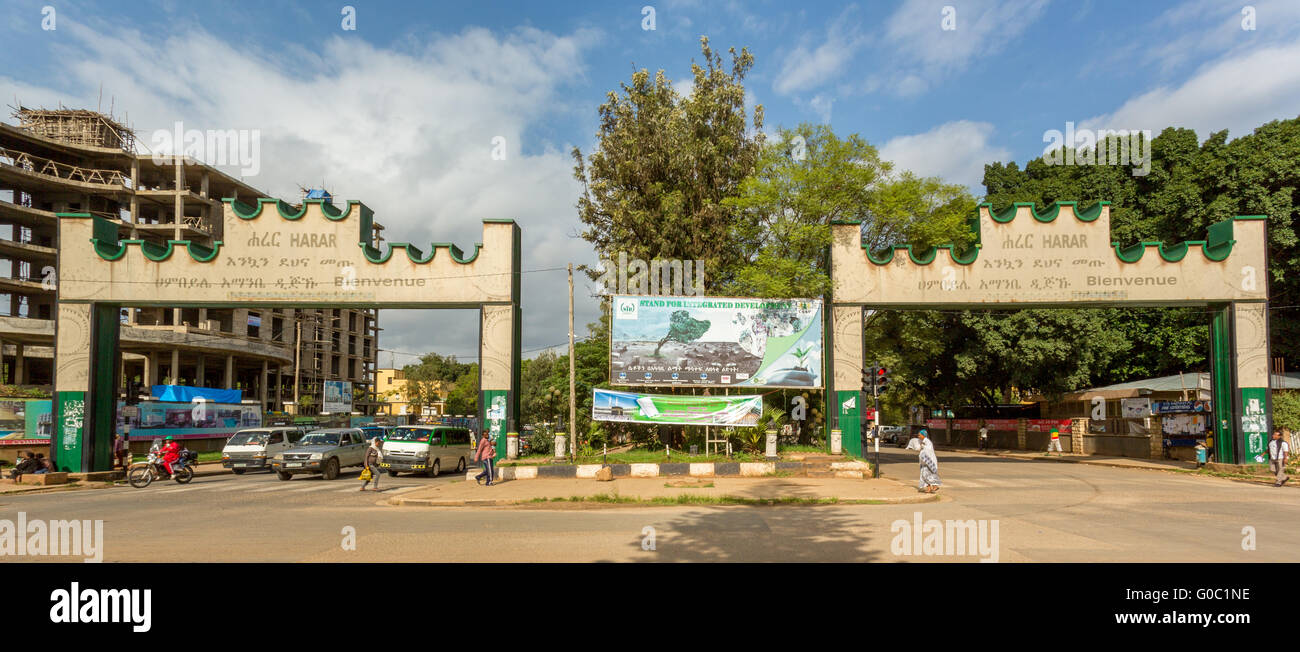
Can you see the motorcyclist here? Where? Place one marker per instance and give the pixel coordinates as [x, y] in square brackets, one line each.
[171, 452]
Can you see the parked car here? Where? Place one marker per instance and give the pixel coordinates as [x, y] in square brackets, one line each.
[892, 433]
[372, 432]
[252, 448]
[322, 451]
[427, 449]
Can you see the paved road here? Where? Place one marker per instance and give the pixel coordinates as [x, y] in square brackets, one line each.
[1043, 511]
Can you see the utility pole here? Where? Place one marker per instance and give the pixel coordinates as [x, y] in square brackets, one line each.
[297, 359]
[573, 406]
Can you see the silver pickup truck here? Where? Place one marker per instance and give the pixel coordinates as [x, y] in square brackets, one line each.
[322, 451]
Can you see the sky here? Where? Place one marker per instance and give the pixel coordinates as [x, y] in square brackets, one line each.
[411, 111]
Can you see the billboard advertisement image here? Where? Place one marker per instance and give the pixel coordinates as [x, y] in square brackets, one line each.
[338, 397]
[715, 342]
[612, 405]
[158, 419]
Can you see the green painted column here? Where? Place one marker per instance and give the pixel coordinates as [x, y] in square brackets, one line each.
[1221, 384]
[849, 408]
[85, 383]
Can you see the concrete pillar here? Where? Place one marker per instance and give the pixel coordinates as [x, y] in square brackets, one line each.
[261, 385]
[18, 365]
[200, 373]
[135, 201]
[230, 372]
[175, 371]
[150, 377]
[4, 377]
[279, 378]
[1078, 428]
[203, 318]
[1020, 434]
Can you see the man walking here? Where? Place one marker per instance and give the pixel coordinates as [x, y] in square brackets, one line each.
[1277, 452]
[1055, 443]
[984, 436]
[485, 454]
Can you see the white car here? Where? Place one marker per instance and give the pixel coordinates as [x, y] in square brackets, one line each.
[253, 448]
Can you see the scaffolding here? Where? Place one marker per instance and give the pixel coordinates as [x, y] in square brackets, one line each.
[76, 127]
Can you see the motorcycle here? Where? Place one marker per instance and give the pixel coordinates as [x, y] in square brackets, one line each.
[142, 474]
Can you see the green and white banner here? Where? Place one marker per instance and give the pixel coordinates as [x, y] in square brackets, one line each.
[611, 405]
[715, 341]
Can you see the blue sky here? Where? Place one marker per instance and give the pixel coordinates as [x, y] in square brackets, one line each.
[401, 112]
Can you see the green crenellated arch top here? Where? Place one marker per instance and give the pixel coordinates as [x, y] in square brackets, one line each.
[110, 247]
[1216, 247]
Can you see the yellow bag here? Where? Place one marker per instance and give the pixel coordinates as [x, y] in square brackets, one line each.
[365, 474]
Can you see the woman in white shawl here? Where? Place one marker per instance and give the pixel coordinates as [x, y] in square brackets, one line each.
[929, 462]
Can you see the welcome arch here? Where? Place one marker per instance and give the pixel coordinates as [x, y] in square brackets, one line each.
[270, 255]
[1063, 257]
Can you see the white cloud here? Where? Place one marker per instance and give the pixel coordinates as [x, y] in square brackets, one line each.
[821, 105]
[981, 28]
[820, 58]
[923, 52]
[954, 151]
[1237, 93]
[408, 131]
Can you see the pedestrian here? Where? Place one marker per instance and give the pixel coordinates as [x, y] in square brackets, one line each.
[121, 452]
[371, 471]
[1055, 443]
[1278, 449]
[929, 482]
[485, 454]
[984, 436]
[27, 464]
[44, 465]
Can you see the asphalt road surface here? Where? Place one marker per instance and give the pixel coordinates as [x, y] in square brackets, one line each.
[1042, 512]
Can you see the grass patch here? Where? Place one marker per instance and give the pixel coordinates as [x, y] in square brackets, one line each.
[670, 485]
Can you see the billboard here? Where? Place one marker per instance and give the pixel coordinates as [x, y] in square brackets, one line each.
[613, 405]
[338, 397]
[188, 420]
[715, 342]
[25, 422]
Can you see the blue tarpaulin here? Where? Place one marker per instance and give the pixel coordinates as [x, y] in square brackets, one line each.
[186, 394]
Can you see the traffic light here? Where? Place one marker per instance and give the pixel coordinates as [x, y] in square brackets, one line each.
[869, 379]
[882, 379]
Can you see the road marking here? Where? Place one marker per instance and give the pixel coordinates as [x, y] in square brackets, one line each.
[315, 487]
[962, 483]
[193, 487]
[232, 486]
[276, 487]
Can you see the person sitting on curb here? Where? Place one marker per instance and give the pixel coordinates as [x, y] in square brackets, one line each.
[45, 464]
[28, 464]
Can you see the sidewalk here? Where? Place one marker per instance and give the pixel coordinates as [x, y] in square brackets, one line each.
[665, 491]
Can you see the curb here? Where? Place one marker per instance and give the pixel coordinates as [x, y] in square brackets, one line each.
[1062, 460]
[398, 501]
[853, 469]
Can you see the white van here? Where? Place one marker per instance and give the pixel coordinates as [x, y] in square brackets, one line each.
[254, 447]
[427, 449]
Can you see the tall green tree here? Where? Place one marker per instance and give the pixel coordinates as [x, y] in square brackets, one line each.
[1191, 185]
[807, 178]
[463, 397]
[655, 185]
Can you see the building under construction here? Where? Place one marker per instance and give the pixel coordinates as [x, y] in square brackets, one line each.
[66, 160]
